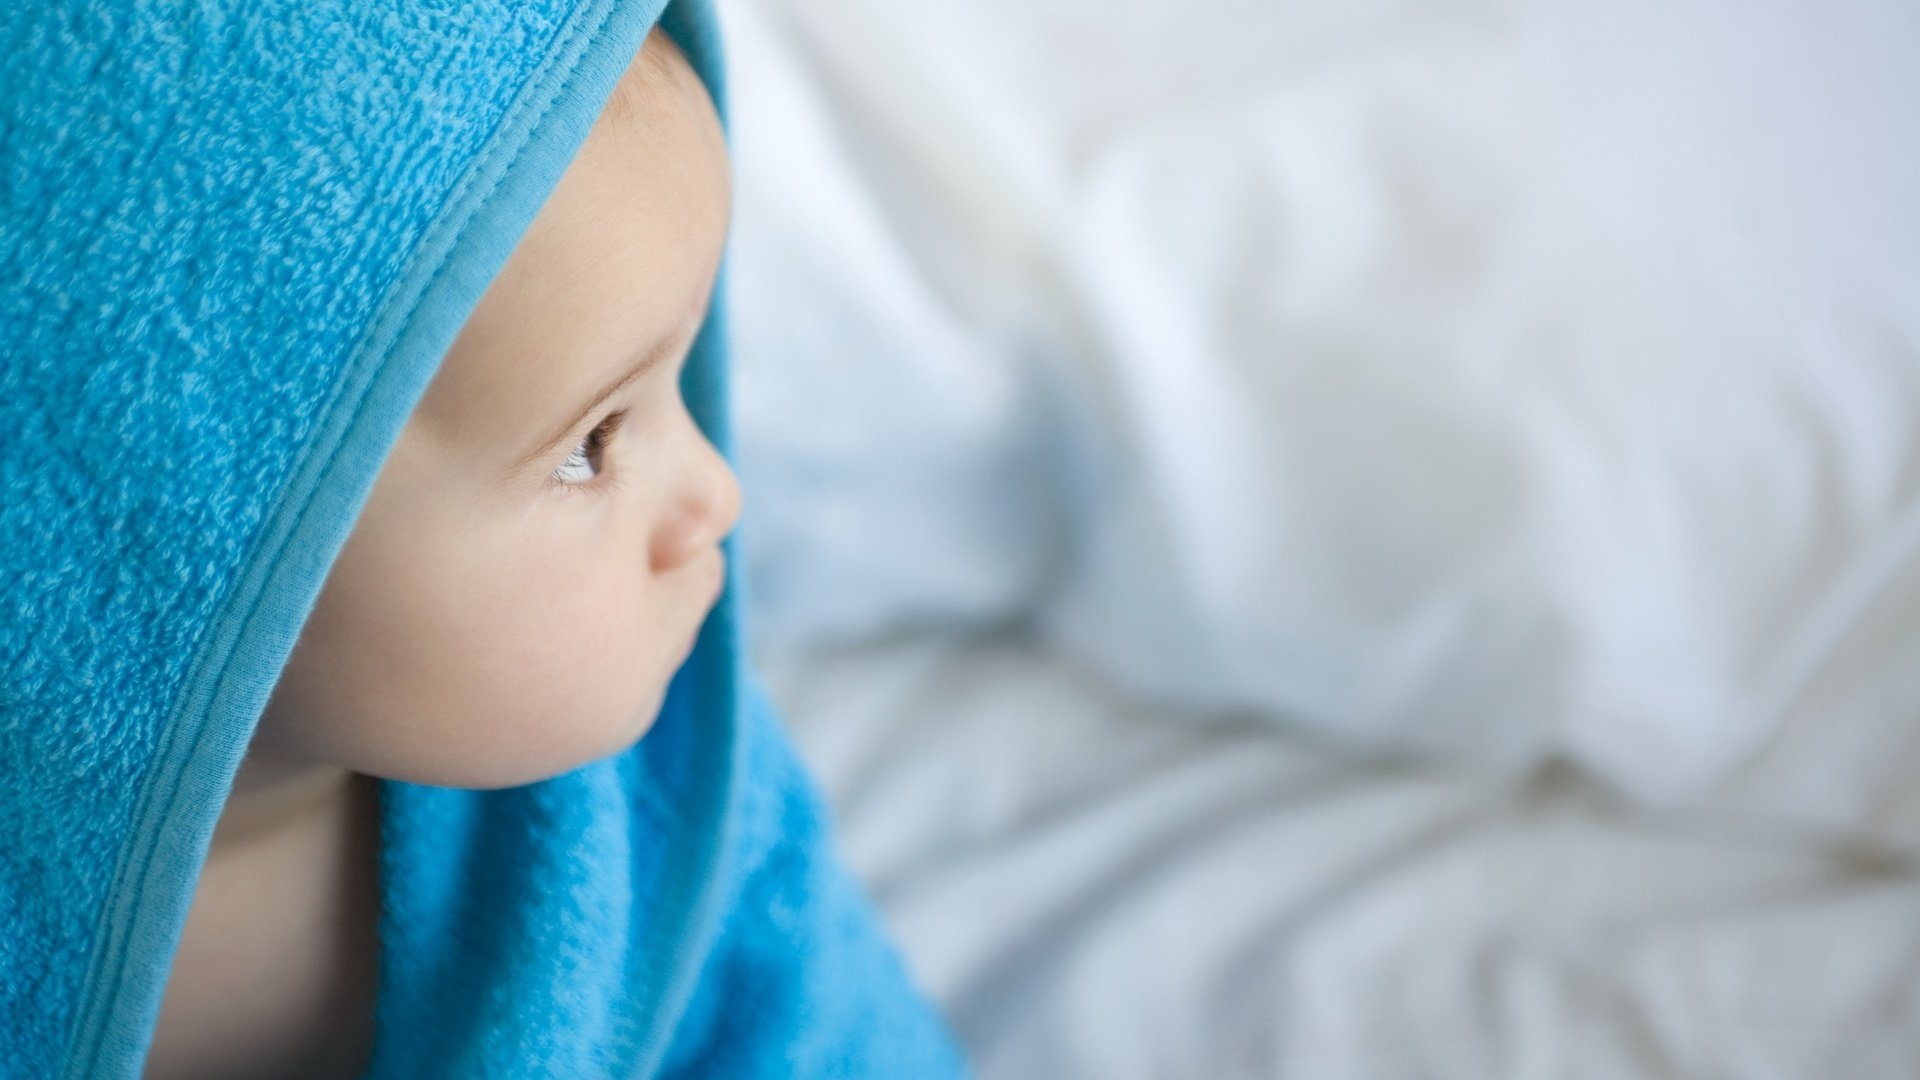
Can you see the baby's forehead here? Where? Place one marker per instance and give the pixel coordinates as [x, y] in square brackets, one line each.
[659, 69]
[622, 253]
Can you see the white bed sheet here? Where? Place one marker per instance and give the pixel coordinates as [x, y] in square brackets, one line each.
[1095, 890]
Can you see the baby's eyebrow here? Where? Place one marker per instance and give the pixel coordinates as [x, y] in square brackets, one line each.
[652, 358]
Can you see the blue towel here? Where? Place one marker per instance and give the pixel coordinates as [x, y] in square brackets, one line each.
[237, 236]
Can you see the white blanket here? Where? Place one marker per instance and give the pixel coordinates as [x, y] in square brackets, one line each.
[1527, 397]
[1095, 890]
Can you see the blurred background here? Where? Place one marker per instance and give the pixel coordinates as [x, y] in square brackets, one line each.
[1369, 541]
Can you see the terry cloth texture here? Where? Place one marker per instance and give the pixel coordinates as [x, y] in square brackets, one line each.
[235, 240]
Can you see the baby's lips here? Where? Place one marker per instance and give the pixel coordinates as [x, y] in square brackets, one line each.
[686, 650]
[718, 579]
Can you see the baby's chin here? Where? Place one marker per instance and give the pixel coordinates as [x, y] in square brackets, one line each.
[588, 744]
[614, 738]
[506, 752]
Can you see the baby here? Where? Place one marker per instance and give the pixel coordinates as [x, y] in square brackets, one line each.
[374, 698]
[542, 541]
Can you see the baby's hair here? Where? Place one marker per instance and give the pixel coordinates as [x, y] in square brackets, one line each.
[647, 74]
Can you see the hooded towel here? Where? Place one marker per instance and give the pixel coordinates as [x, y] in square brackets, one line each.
[235, 240]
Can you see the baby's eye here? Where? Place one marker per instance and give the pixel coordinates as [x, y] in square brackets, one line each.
[584, 465]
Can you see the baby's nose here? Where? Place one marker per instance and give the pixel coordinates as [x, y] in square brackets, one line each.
[705, 509]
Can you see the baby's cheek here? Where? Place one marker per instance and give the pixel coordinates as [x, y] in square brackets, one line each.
[546, 670]
[450, 654]
[527, 671]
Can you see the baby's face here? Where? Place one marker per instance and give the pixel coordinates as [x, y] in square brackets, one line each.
[540, 547]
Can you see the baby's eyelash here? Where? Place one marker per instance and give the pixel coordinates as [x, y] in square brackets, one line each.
[596, 441]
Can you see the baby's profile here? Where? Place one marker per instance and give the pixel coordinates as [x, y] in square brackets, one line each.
[374, 685]
[533, 564]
